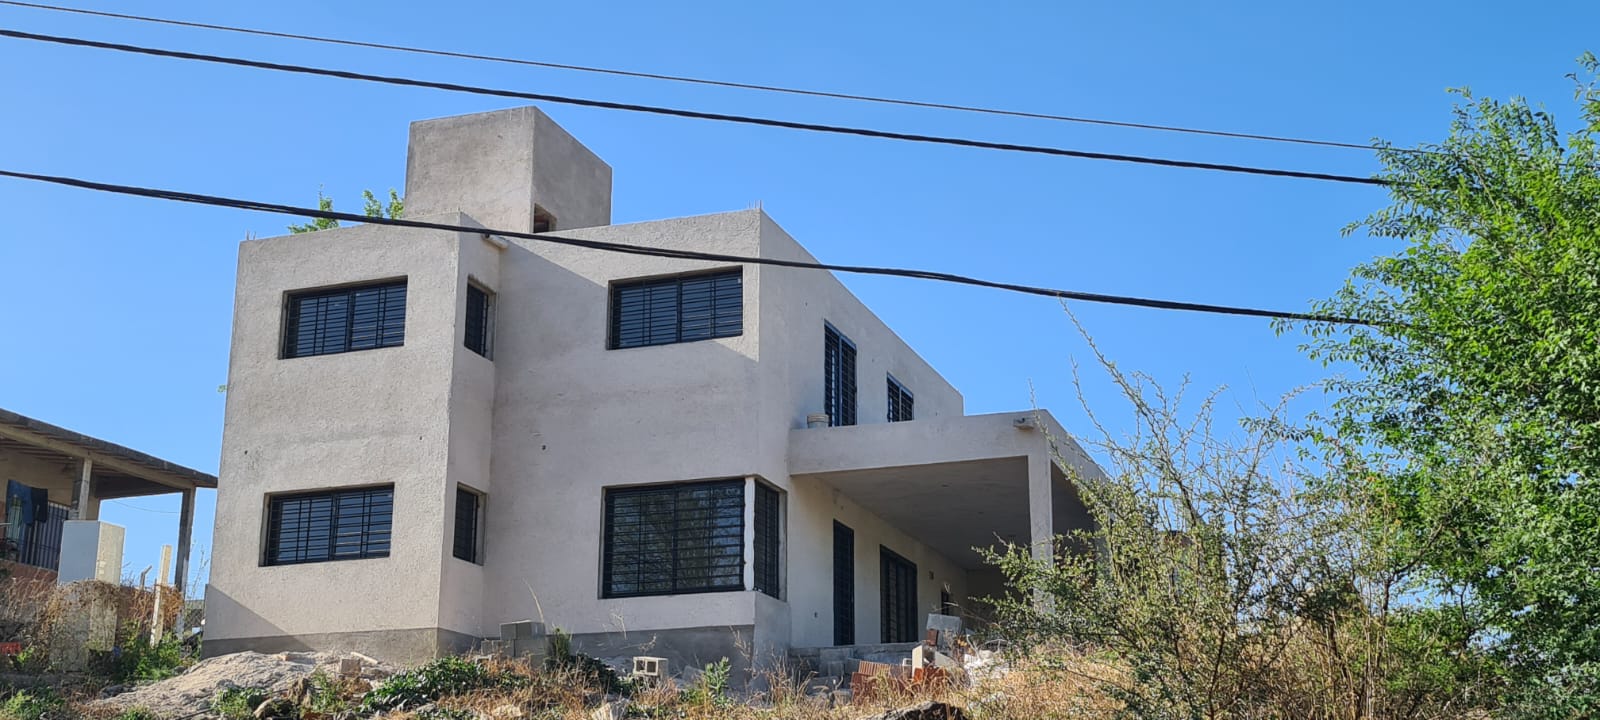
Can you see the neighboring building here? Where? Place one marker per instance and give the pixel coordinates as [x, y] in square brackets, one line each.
[55, 480]
[430, 433]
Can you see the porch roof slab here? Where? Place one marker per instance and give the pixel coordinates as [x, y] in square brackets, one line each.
[952, 483]
[123, 471]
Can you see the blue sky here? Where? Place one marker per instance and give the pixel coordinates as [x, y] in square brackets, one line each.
[117, 310]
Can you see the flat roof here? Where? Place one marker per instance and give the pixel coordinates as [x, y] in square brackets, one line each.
[54, 437]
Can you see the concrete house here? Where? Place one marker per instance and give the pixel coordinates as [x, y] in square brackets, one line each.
[430, 433]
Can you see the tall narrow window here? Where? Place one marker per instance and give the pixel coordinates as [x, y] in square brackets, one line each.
[900, 404]
[898, 594]
[323, 322]
[469, 513]
[844, 584]
[769, 540]
[838, 377]
[330, 525]
[480, 321]
[677, 309]
[670, 539]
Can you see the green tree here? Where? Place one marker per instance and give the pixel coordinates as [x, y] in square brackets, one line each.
[372, 208]
[1475, 400]
[1225, 578]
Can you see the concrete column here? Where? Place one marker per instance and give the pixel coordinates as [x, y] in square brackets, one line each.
[750, 533]
[1041, 505]
[82, 489]
[185, 537]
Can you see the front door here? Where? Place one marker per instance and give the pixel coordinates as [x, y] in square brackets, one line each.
[899, 597]
[844, 584]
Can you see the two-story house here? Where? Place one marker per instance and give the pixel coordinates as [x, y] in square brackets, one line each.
[430, 433]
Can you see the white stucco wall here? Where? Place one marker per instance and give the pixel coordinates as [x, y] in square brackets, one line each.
[553, 419]
[369, 417]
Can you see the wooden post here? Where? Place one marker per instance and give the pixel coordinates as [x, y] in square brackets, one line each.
[158, 628]
[180, 575]
[81, 490]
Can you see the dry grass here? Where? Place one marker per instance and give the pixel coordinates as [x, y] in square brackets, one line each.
[1055, 685]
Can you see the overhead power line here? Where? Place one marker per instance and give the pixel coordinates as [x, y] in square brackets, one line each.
[697, 81]
[694, 114]
[255, 205]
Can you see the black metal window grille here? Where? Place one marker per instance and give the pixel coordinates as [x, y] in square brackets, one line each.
[330, 525]
[672, 539]
[37, 543]
[480, 321]
[769, 539]
[677, 309]
[838, 377]
[468, 510]
[844, 584]
[899, 596]
[324, 322]
[900, 402]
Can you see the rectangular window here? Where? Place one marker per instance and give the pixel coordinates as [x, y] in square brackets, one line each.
[323, 322]
[670, 539]
[329, 525]
[838, 377]
[677, 309]
[469, 510]
[898, 591]
[900, 404]
[769, 541]
[480, 321]
[844, 584]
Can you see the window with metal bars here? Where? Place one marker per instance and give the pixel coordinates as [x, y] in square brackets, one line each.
[900, 403]
[329, 525]
[673, 539]
[363, 317]
[898, 591]
[838, 377]
[480, 321]
[844, 584]
[469, 512]
[769, 541]
[679, 309]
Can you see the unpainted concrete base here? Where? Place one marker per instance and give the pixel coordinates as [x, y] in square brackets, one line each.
[683, 648]
[411, 646]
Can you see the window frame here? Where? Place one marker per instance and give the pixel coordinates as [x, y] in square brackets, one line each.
[486, 317]
[767, 541]
[610, 560]
[840, 396]
[901, 400]
[292, 317]
[615, 301]
[272, 535]
[477, 534]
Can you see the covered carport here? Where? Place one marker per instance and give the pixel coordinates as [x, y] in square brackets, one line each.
[54, 475]
[957, 484]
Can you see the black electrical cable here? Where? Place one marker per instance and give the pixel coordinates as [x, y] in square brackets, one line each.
[698, 81]
[695, 114]
[259, 206]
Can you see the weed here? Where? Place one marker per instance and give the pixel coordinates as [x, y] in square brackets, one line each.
[238, 703]
[441, 678]
[562, 657]
[137, 713]
[140, 660]
[711, 688]
[41, 704]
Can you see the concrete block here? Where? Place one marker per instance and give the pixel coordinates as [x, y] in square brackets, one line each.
[833, 668]
[90, 550]
[525, 637]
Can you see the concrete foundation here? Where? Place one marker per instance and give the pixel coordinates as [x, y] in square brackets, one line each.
[412, 646]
